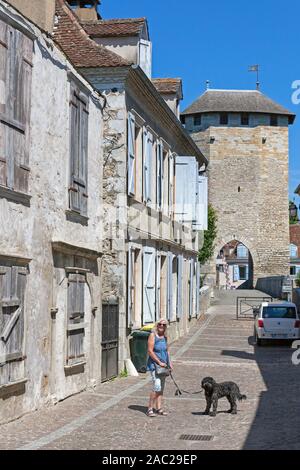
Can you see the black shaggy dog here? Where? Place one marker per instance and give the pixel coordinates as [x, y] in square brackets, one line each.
[214, 391]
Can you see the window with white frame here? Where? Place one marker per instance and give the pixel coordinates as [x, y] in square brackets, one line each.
[293, 251]
[242, 251]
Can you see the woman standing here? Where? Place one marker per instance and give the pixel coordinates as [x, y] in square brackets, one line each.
[158, 354]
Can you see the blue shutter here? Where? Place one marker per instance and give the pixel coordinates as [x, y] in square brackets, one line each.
[158, 290]
[191, 288]
[159, 175]
[147, 164]
[236, 273]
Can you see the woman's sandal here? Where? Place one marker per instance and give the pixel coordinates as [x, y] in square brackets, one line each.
[161, 412]
[150, 413]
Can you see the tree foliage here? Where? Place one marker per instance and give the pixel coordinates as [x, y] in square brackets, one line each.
[293, 220]
[210, 235]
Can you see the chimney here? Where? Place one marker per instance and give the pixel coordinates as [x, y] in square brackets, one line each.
[40, 12]
[86, 10]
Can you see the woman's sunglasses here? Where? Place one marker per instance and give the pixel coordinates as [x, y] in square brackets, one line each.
[162, 324]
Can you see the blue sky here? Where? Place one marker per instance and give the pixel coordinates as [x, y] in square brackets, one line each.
[199, 40]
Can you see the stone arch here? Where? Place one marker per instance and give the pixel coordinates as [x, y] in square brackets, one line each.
[222, 242]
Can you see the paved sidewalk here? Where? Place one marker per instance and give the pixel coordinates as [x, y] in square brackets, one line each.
[113, 417]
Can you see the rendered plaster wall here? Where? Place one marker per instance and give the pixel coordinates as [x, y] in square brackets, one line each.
[28, 232]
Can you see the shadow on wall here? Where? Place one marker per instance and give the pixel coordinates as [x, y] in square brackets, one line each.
[271, 285]
[276, 424]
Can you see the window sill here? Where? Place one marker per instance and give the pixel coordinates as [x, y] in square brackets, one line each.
[13, 388]
[74, 369]
[77, 218]
[15, 196]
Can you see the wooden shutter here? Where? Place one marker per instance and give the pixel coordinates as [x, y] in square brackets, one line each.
[159, 175]
[131, 286]
[158, 285]
[78, 150]
[201, 222]
[131, 154]
[12, 296]
[145, 57]
[148, 285]
[179, 286]
[236, 273]
[170, 287]
[76, 313]
[191, 288]
[147, 164]
[16, 52]
[185, 195]
[197, 288]
[171, 184]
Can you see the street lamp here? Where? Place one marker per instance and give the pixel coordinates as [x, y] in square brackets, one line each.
[293, 210]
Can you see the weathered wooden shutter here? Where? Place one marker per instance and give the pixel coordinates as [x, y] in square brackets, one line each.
[191, 288]
[12, 295]
[78, 150]
[185, 196]
[170, 287]
[149, 285]
[145, 56]
[158, 290]
[76, 313]
[159, 175]
[179, 286]
[130, 286]
[131, 154]
[16, 52]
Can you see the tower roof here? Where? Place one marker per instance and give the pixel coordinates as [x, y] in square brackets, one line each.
[236, 101]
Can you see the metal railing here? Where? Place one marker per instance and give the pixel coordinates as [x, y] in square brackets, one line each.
[247, 306]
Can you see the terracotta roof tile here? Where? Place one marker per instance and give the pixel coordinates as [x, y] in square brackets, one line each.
[168, 85]
[114, 27]
[82, 51]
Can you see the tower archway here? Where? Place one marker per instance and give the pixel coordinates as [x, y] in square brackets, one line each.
[234, 266]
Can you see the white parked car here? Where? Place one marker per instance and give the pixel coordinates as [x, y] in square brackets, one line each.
[276, 321]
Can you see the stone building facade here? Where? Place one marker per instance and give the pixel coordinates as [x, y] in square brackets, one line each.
[244, 135]
[51, 230]
[151, 165]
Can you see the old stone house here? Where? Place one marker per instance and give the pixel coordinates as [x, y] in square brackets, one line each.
[51, 231]
[244, 135]
[154, 194]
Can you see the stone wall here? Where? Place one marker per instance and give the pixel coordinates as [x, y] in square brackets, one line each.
[248, 187]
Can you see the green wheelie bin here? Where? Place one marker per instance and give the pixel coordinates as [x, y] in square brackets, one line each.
[139, 349]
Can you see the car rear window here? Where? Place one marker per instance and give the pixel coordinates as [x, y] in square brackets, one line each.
[279, 312]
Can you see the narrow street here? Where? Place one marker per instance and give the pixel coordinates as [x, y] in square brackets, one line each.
[113, 417]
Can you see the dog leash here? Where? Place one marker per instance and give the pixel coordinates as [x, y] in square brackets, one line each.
[179, 391]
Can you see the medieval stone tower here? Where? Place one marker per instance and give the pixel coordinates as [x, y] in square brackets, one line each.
[244, 135]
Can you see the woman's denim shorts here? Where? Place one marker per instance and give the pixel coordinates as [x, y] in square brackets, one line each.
[158, 383]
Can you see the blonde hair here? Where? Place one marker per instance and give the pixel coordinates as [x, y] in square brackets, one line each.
[159, 321]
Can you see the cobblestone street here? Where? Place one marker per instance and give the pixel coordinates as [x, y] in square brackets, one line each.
[113, 417]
